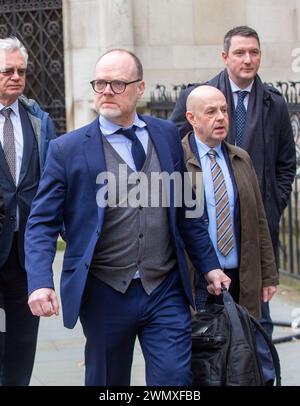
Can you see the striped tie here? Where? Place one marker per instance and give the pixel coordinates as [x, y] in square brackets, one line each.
[224, 225]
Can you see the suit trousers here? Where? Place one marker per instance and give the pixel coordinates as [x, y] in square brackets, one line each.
[19, 341]
[262, 347]
[112, 320]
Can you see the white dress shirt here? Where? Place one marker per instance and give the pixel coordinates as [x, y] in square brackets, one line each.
[19, 142]
[18, 134]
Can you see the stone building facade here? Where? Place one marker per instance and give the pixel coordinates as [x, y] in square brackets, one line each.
[178, 41]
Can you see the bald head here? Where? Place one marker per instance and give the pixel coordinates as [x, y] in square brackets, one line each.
[207, 113]
[130, 56]
[203, 94]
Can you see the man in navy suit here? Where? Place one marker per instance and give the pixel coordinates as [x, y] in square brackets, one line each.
[25, 131]
[124, 272]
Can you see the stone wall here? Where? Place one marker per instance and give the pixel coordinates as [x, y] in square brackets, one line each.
[178, 41]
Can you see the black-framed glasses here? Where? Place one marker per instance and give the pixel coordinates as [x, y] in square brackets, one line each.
[11, 71]
[117, 86]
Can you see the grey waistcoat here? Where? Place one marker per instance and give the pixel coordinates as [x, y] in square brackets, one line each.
[133, 239]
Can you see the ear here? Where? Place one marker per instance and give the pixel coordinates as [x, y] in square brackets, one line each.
[190, 117]
[141, 88]
[224, 57]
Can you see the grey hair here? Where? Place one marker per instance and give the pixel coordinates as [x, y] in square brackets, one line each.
[11, 44]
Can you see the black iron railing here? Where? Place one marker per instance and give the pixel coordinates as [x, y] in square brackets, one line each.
[289, 241]
[162, 101]
[39, 25]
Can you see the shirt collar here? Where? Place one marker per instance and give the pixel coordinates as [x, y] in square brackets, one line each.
[203, 148]
[108, 128]
[14, 106]
[235, 88]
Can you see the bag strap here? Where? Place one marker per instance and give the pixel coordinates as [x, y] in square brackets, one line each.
[237, 330]
[235, 321]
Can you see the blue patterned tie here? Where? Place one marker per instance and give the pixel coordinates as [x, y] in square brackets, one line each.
[137, 149]
[240, 116]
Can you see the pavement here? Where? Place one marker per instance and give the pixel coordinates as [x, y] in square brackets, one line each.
[60, 351]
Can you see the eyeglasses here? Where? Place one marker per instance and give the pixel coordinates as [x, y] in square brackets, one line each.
[117, 86]
[11, 71]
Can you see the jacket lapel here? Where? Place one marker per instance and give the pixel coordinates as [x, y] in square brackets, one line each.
[4, 166]
[161, 145]
[28, 140]
[228, 158]
[193, 164]
[94, 154]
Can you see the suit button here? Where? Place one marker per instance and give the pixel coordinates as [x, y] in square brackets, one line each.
[86, 266]
[12, 218]
[141, 235]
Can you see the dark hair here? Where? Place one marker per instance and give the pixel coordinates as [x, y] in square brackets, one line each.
[138, 64]
[242, 31]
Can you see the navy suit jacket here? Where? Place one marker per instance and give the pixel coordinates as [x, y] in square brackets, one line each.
[67, 193]
[23, 194]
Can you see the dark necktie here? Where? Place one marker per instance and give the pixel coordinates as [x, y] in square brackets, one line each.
[9, 142]
[137, 150]
[240, 116]
[224, 224]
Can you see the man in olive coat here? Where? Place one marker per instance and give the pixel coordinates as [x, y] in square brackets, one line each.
[250, 262]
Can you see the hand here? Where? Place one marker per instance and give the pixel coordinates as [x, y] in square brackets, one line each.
[268, 293]
[215, 278]
[43, 302]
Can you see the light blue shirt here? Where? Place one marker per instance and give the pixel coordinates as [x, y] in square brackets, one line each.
[235, 89]
[122, 144]
[232, 259]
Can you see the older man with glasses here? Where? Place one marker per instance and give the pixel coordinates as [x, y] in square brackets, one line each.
[25, 131]
[124, 272]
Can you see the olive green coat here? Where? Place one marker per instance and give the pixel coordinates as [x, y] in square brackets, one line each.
[257, 264]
